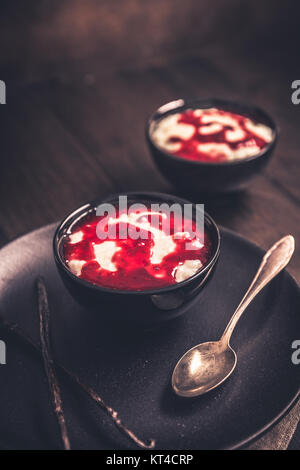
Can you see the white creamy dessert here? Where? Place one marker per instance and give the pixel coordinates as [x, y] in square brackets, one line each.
[210, 135]
[163, 245]
[160, 255]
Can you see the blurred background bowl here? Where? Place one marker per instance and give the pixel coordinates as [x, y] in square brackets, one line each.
[209, 177]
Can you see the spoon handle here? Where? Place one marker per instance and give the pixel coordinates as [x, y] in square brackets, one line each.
[273, 262]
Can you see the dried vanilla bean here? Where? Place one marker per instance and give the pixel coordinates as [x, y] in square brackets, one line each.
[44, 317]
[17, 331]
[113, 414]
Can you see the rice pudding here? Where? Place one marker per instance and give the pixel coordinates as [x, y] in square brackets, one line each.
[154, 259]
[210, 135]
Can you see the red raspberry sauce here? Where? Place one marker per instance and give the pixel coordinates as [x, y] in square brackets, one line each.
[134, 269]
[189, 147]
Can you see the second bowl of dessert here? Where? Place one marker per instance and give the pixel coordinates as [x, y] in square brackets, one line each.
[145, 263]
[210, 146]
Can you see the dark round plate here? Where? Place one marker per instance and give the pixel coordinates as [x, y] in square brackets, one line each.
[132, 370]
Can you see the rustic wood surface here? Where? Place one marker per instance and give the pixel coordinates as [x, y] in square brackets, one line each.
[73, 126]
[75, 138]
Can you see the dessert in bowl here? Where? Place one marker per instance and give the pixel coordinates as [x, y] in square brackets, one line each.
[137, 263]
[210, 146]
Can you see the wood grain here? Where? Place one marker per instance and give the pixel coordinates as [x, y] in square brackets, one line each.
[70, 140]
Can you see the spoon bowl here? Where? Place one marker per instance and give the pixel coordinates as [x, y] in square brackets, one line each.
[203, 368]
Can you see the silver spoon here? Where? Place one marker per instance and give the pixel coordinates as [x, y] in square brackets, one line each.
[207, 365]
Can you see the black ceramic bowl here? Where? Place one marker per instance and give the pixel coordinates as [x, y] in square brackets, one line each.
[143, 307]
[204, 177]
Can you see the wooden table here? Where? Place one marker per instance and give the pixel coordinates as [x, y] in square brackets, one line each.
[79, 135]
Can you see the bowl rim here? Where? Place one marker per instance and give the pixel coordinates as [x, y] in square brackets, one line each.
[90, 206]
[173, 106]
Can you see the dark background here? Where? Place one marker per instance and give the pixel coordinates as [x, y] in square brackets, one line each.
[82, 77]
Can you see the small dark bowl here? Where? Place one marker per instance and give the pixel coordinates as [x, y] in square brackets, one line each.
[147, 307]
[204, 177]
